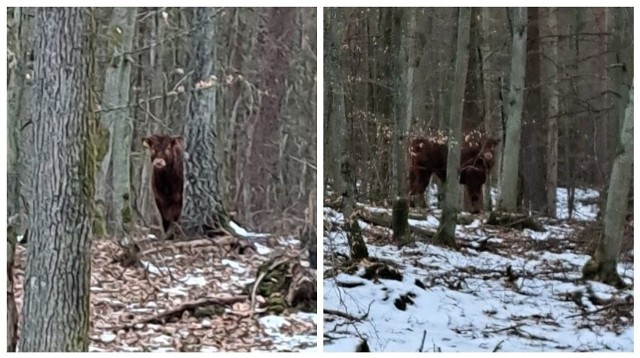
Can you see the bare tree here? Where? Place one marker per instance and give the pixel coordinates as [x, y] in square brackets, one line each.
[604, 264]
[549, 72]
[446, 230]
[338, 137]
[57, 276]
[203, 205]
[403, 57]
[507, 199]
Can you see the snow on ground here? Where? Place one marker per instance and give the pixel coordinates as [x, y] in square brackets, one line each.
[179, 273]
[505, 290]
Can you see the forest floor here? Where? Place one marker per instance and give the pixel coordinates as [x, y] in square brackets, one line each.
[131, 306]
[504, 290]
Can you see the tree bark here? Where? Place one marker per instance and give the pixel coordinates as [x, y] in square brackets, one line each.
[15, 94]
[203, 207]
[274, 53]
[603, 266]
[450, 208]
[507, 199]
[116, 116]
[549, 72]
[339, 134]
[533, 142]
[404, 57]
[57, 275]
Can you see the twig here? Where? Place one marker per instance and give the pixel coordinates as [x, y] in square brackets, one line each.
[424, 336]
[342, 314]
[505, 329]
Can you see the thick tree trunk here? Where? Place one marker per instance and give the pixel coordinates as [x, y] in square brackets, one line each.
[57, 276]
[274, 52]
[203, 208]
[404, 55]
[116, 116]
[507, 200]
[603, 266]
[533, 142]
[447, 228]
[549, 72]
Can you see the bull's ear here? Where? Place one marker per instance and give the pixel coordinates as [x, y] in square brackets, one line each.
[146, 142]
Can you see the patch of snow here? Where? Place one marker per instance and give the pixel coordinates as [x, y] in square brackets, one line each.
[107, 337]
[468, 303]
[193, 280]
[262, 250]
[244, 233]
[283, 341]
[236, 266]
[153, 269]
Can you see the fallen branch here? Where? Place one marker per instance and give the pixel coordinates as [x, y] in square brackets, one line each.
[343, 315]
[177, 312]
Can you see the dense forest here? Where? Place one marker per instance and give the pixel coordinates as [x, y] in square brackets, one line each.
[465, 129]
[110, 111]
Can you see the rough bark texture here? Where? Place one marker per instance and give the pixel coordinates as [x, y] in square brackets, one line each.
[549, 72]
[116, 117]
[532, 163]
[404, 63]
[339, 135]
[603, 266]
[12, 311]
[203, 206]
[450, 208]
[507, 200]
[15, 91]
[57, 275]
[274, 50]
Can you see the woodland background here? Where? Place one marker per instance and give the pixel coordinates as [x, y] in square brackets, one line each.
[579, 68]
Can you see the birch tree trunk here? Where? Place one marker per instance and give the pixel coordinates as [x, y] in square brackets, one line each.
[446, 231]
[203, 206]
[117, 118]
[603, 266]
[404, 28]
[339, 135]
[507, 199]
[57, 275]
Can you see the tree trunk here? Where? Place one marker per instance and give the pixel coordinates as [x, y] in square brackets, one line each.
[447, 228]
[492, 105]
[116, 116]
[533, 143]
[507, 199]
[57, 276]
[404, 56]
[15, 94]
[203, 209]
[603, 266]
[339, 134]
[274, 53]
[549, 71]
